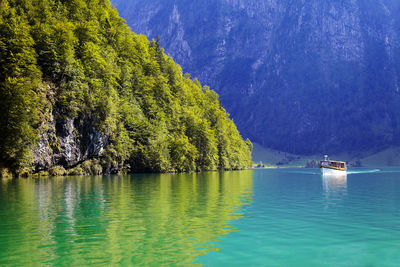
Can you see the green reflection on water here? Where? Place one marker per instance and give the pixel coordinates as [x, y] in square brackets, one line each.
[140, 219]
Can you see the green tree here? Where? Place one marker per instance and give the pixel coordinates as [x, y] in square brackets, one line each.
[19, 83]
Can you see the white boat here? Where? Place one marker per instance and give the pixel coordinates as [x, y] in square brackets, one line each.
[332, 167]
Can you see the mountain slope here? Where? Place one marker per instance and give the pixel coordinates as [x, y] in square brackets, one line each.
[80, 91]
[304, 77]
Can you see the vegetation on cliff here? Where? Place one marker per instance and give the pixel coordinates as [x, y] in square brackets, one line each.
[78, 59]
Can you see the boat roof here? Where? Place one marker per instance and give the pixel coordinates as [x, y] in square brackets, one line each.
[334, 161]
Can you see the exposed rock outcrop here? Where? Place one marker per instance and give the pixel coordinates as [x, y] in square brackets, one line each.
[66, 141]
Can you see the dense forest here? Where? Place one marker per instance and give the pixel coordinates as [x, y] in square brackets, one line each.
[80, 93]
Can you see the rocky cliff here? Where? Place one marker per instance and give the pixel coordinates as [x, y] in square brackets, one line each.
[300, 76]
[65, 140]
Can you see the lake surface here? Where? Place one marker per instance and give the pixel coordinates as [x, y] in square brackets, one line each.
[278, 217]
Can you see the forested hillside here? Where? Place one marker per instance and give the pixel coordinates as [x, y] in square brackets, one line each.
[80, 93]
[306, 77]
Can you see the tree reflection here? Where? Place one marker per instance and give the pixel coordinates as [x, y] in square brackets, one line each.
[140, 219]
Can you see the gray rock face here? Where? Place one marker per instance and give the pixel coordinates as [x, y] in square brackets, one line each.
[67, 141]
[301, 76]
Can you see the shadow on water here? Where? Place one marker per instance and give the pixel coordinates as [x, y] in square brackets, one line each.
[140, 219]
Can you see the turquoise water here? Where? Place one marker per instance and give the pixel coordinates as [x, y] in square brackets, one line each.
[279, 217]
[298, 218]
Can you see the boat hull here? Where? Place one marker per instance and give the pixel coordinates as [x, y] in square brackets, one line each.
[329, 171]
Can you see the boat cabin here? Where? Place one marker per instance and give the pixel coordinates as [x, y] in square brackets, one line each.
[333, 164]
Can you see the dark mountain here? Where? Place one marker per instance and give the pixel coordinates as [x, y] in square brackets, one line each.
[299, 76]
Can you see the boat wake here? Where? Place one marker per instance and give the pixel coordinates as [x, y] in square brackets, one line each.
[318, 172]
[363, 171]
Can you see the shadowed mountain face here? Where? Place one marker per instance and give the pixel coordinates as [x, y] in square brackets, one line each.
[299, 76]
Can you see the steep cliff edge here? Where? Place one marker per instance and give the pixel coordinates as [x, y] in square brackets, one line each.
[305, 77]
[80, 93]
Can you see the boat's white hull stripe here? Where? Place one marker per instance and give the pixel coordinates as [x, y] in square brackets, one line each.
[331, 171]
